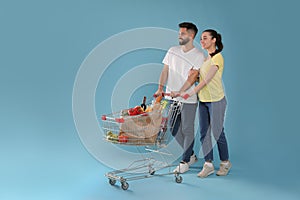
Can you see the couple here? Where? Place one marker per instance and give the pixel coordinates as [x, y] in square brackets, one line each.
[183, 65]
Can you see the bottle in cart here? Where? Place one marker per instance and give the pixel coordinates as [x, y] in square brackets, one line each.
[143, 105]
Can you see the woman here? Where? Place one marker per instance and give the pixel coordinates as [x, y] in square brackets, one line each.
[212, 104]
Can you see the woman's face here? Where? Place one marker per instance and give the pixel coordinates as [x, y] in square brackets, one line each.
[206, 41]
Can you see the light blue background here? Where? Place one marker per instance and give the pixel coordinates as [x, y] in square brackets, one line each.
[43, 44]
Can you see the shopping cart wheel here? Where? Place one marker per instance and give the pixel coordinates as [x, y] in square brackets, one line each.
[151, 171]
[112, 181]
[178, 179]
[124, 185]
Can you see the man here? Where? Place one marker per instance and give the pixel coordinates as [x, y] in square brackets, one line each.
[178, 63]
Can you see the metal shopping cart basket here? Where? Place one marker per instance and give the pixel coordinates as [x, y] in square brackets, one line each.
[150, 130]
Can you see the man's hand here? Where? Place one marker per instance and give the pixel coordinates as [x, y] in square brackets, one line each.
[175, 94]
[159, 92]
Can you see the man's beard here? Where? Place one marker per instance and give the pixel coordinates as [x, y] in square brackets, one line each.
[184, 41]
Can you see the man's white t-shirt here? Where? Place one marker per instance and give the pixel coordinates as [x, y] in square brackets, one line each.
[180, 63]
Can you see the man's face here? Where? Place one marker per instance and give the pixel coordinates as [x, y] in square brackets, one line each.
[184, 36]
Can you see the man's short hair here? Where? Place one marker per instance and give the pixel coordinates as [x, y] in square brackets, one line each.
[189, 26]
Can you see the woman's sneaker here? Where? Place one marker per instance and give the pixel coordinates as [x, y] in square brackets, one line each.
[182, 167]
[224, 168]
[208, 169]
[193, 159]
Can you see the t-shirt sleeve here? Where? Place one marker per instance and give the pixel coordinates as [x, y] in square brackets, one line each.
[218, 60]
[199, 61]
[166, 58]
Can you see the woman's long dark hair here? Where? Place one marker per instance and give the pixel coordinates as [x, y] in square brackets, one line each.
[219, 43]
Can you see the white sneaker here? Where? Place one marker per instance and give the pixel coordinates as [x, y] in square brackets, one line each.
[182, 167]
[224, 168]
[207, 170]
[193, 159]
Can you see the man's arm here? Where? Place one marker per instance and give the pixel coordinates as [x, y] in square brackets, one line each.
[190, 81]
[162, 79]
[211, 73]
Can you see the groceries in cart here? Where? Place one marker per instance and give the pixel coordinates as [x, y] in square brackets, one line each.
[139, 125]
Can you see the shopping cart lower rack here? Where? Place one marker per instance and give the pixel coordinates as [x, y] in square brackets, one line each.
[150, 130]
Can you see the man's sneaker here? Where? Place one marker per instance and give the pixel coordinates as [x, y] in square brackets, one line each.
[207, 170]
[193, 159]
[182, 167]
[224, 168]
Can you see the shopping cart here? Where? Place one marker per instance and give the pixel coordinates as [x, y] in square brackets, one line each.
[150, 130]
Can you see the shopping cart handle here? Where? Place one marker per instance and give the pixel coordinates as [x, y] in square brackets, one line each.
[120, 120]
[163, 94]
[186, 96]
